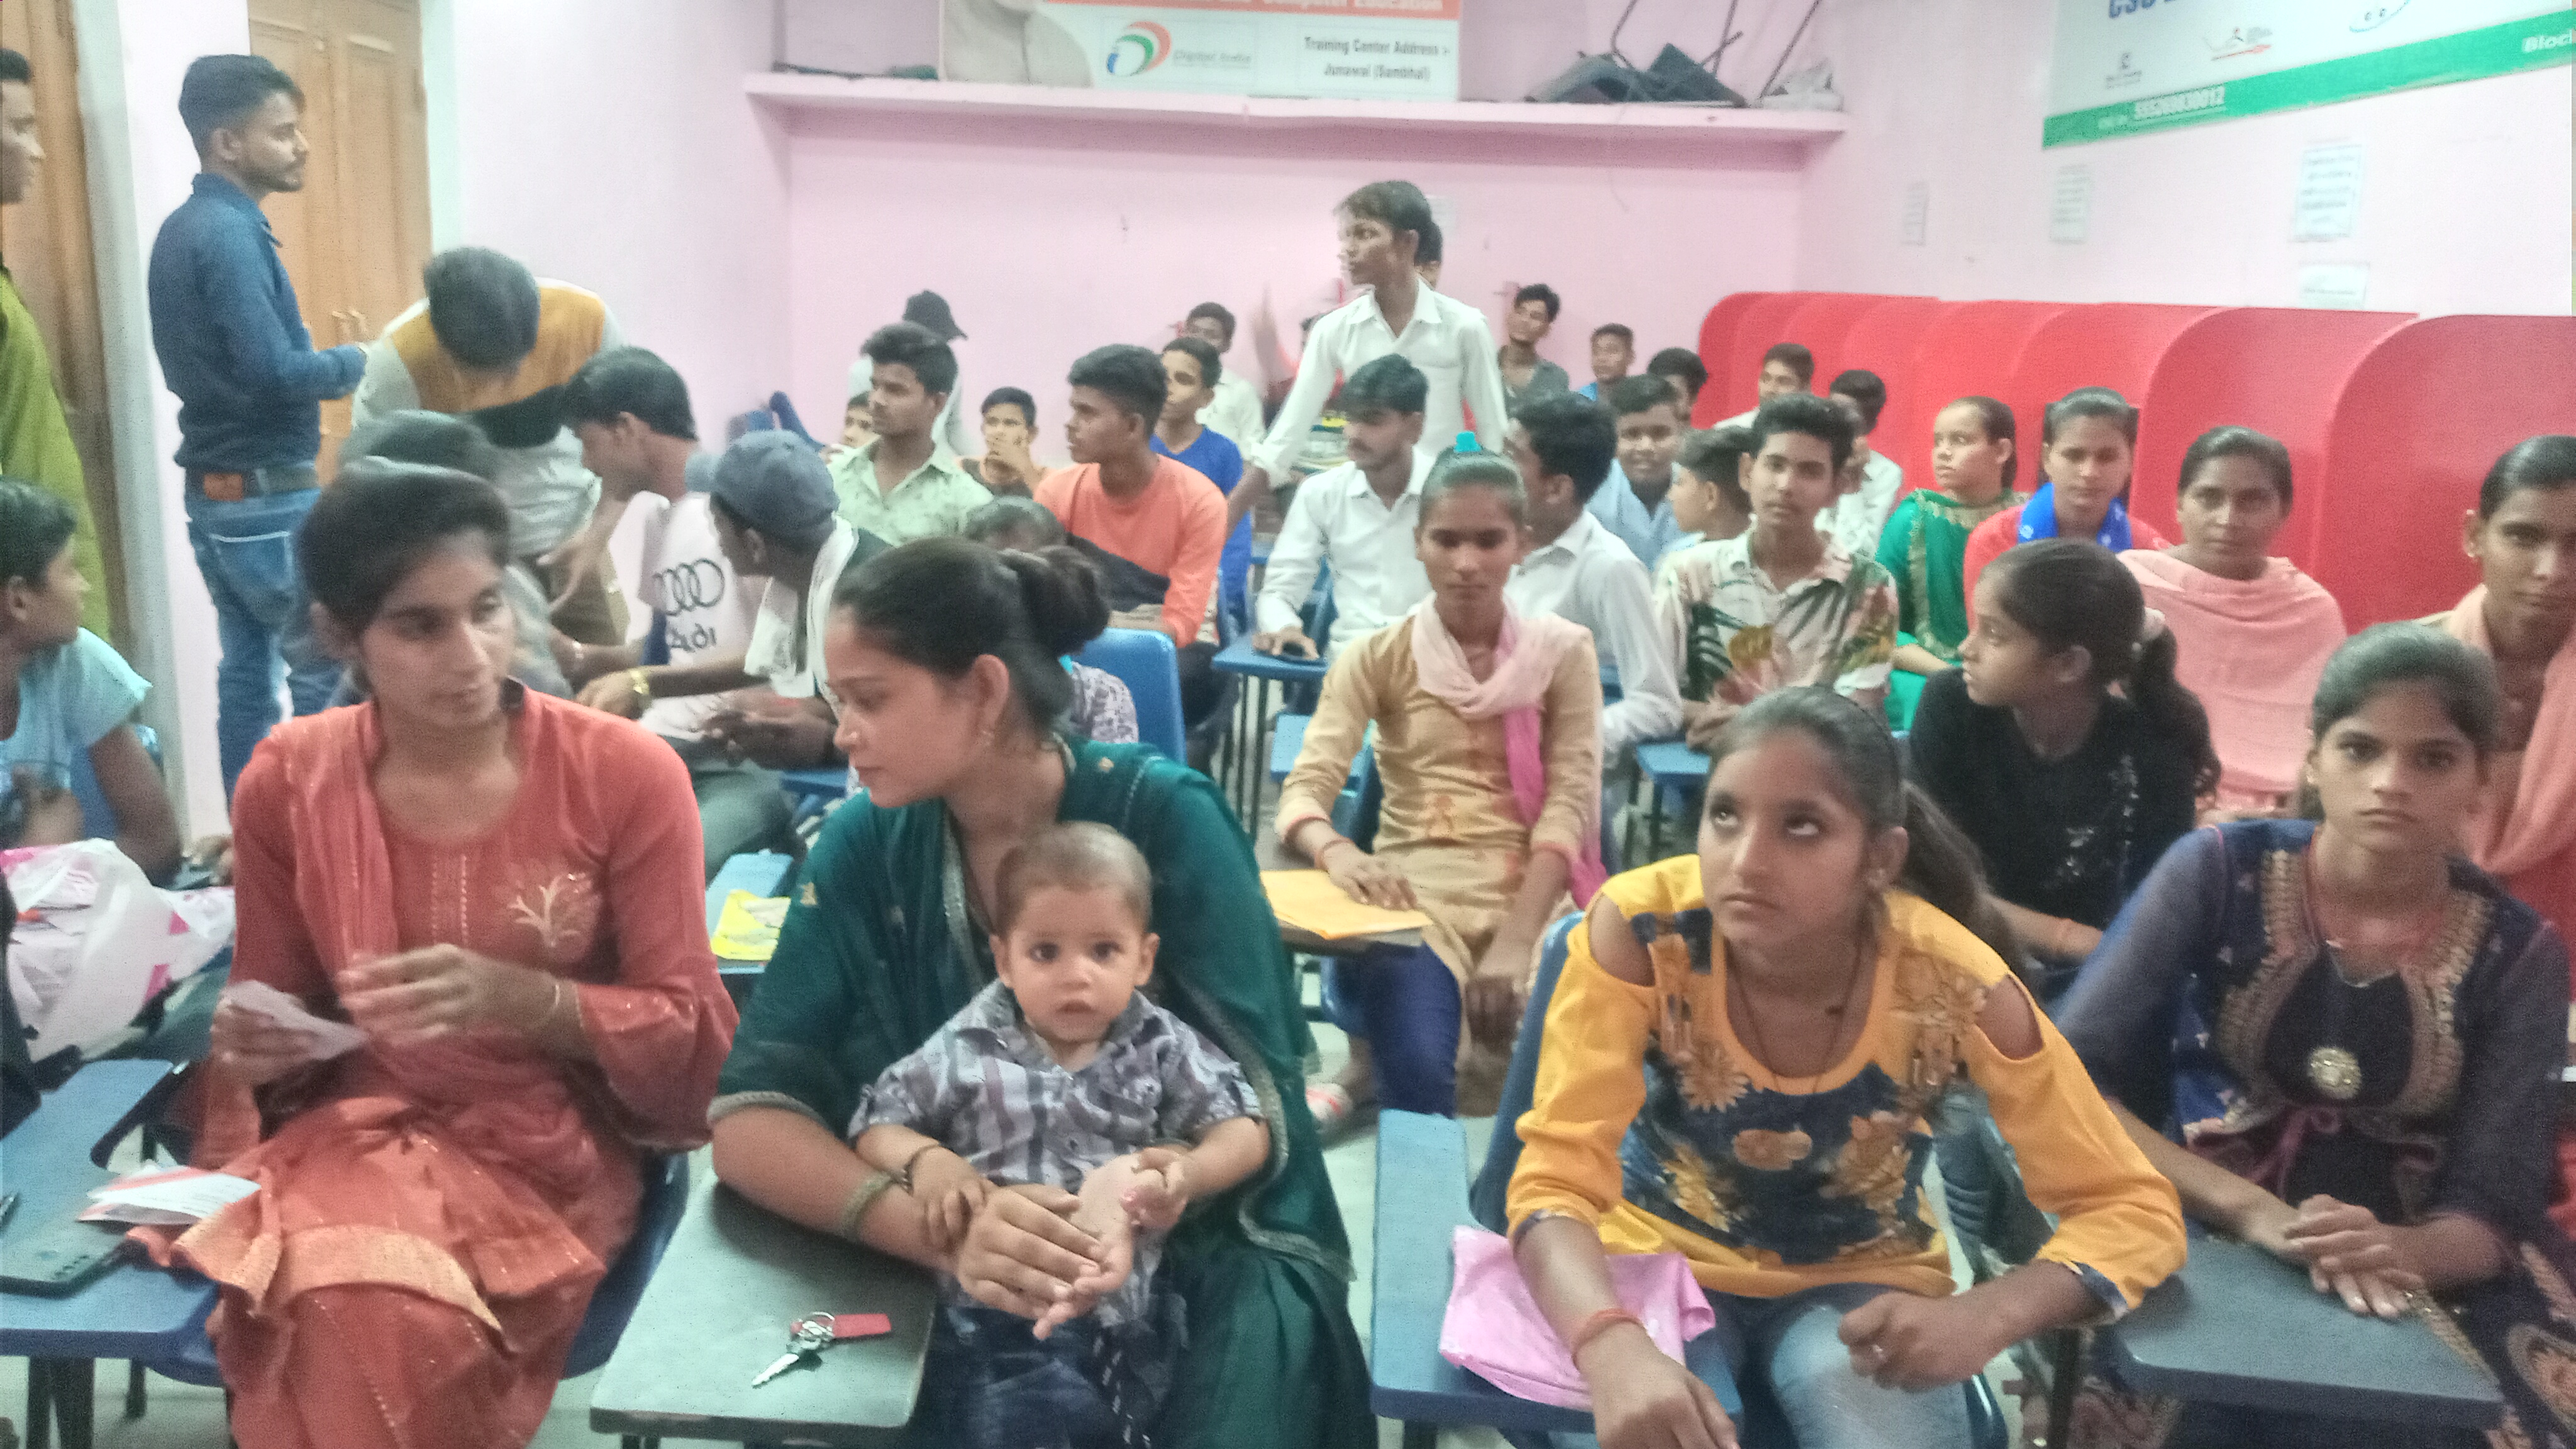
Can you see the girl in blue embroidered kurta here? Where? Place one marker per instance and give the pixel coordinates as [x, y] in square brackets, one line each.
[1738, 1063]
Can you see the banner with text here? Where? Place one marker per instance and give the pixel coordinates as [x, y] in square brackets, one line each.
[2128, 66]
[1336, 49]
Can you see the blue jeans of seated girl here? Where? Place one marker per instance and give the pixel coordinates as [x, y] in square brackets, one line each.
[1408, 1006]
[1791, 1341]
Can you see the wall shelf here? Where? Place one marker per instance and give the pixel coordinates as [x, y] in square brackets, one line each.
[797, 93]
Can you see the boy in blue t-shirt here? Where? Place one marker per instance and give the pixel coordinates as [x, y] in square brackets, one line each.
[1192, 368]
[71, 768]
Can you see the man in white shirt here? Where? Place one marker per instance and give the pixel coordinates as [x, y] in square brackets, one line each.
[1235, 412]
[1786, 368]
[1578, 570]
[1382, 225]
[631, 412]
[1359, 516]
[778, 520]
[1872, 478]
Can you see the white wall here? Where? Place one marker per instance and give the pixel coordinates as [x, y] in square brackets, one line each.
[133, 53]
[2465, 197]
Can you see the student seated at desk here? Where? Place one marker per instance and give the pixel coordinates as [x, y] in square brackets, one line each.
[2088, 450]
[1360, 518]
[1580, 571]
[503, 891]
[1926, 539]
[1488, 742]
[66, 699]
[1738, 1064]
[1709, 501]
[1063, 1073]
[2063, 746]
[2348, 1039]
[944, 655]
[1780, 604]
[2254, 632]
[1102, 709]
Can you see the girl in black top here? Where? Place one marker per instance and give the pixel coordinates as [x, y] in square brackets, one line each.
[2063, 745]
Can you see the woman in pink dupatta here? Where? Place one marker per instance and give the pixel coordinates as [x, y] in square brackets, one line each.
[2522, 614]
[2254, 632]
[502, 891]
[1489, 744]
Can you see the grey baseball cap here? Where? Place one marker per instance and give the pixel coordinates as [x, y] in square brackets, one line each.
[777, 483]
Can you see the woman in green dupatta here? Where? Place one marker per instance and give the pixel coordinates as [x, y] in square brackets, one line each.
[943, 657]
[1926, 541]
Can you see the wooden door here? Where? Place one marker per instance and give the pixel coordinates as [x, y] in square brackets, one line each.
[355, 237]
[47, 242]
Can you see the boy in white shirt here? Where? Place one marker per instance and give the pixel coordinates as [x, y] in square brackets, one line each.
[1360, 516]
[631, 412]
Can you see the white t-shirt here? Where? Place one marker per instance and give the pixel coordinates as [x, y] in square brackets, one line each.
[787, 637]
[682, 576]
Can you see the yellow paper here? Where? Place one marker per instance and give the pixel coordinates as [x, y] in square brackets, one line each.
[748, 928]
[1309, 901]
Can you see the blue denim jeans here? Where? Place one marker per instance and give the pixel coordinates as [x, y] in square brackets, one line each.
[246, 551]
[1791, 1342]
[1408, 1006]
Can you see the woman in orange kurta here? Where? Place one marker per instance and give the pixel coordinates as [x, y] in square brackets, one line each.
[501, 890]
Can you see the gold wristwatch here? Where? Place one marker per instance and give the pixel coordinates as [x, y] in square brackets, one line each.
[640, 679]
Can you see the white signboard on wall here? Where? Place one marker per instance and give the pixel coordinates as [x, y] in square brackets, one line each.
[1336, 49]
[2126, 66]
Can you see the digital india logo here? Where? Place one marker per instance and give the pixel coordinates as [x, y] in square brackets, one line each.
[1139, 48]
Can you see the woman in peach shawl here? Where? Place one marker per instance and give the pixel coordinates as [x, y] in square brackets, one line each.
[501, 891]
[2523, 615]
[2254, 632]
[1489, 741]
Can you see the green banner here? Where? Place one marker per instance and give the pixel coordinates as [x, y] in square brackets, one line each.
[2542, 40]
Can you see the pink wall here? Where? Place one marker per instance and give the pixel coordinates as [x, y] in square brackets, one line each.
[2464, 207]
[636, 170]
[1050, 239]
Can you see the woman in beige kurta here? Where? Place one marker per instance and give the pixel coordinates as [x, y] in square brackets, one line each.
[1488, 745]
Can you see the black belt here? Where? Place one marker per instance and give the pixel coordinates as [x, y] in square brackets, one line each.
[225, 486]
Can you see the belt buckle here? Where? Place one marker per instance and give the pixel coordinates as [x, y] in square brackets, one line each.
[223, 487]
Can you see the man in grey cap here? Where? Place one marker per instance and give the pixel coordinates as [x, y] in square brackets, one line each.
[778, 519]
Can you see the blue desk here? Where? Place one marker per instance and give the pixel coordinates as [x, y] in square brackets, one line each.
[1421, 1198]
[818, 784]
[2237, 1326]
[1264, 670]
[132, 1311]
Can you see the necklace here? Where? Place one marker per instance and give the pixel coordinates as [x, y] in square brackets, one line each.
[2334, 1069]
[1836, 1012]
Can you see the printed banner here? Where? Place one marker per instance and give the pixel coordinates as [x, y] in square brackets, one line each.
[1336, 49]
[2123, 67]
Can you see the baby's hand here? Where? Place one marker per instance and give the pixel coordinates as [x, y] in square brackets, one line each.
[1158, 1191]
[951, 1192]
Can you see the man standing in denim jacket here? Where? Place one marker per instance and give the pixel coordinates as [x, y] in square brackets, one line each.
[234, 348]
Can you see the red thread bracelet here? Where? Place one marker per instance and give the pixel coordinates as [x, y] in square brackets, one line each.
[1597, 1325]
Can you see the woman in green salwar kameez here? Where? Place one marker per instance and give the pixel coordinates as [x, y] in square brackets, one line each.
[942, 659]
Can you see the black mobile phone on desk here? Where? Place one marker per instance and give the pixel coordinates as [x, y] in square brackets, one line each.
[57, 1258]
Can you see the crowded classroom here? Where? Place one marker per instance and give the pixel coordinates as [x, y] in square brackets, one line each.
[1524, 750]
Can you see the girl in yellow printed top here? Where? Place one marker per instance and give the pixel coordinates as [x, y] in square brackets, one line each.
[1737, 1067]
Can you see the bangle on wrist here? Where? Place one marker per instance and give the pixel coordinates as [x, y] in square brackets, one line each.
[909, 1163]
[1597, 1325]
[1327, 847]
[855, 1211]
[640, 679]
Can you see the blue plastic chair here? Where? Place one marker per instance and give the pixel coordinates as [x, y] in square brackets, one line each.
[1145, 661]
[1763, 1423]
